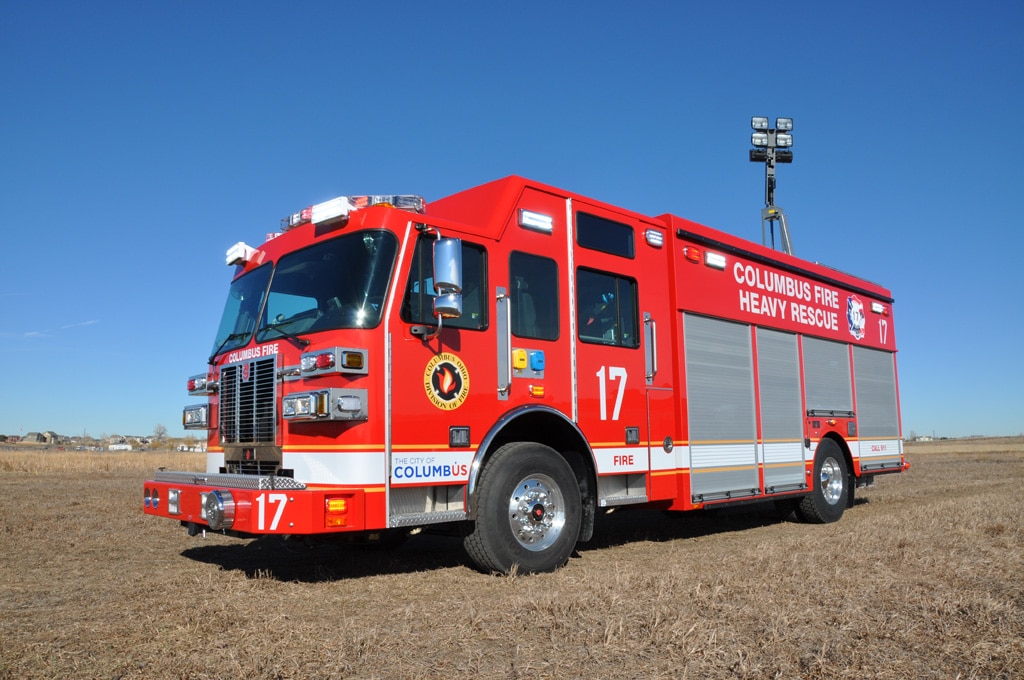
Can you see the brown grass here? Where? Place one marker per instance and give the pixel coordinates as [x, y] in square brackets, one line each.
[42, 461]
[923, 578]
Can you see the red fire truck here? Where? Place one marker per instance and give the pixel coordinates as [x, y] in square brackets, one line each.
[514, 359]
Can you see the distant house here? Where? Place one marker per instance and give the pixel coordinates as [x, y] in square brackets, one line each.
[34, 438]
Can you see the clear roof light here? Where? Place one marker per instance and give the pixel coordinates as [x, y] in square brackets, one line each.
[654, 238]
[716, 260]
[240, 253]
[759, 122]
[783, 124]
[536, 221]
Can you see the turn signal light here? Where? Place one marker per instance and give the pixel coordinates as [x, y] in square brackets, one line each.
[335, 512]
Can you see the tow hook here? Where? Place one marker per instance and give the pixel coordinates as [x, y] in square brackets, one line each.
[194, 529]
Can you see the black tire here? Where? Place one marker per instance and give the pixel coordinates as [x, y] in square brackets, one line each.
[528, 511]
[831, 491]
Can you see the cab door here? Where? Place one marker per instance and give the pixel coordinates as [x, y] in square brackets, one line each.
[623, 394]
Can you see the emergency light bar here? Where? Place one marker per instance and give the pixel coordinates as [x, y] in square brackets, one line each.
[338, 209]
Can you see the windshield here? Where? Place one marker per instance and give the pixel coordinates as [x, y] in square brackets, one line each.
[340, 283]
[241, 310]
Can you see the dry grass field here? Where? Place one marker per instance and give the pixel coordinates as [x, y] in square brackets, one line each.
[924, 578]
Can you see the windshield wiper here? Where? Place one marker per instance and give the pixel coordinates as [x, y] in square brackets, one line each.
[301, 342]
[233, 336]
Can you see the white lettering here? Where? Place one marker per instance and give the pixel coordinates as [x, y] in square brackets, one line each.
[765, 305]
[756, 284]
[278, 499]
[813, 316]
[614, 373]
[773, 282]
[253, 353]
[826, 297]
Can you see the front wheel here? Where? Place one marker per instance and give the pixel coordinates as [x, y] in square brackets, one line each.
[831, 490]
[528, 511]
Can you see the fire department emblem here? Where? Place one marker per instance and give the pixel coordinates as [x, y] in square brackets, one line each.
[246, 371]
[446, 381]
[855, 316]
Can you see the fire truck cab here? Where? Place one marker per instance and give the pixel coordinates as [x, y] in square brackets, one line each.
[515, 358]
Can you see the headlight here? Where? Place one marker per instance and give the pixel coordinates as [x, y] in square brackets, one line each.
[196, 417]
[331, 404]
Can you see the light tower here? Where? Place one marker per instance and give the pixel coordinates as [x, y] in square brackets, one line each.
[771, 146]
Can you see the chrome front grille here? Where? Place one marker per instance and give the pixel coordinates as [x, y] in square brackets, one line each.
[247, 402]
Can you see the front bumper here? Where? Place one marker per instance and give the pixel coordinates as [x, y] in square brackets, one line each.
[254, 505]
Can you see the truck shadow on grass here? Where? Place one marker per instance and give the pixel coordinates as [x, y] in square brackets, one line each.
[632, 526]
[324, 561]
[296, 560]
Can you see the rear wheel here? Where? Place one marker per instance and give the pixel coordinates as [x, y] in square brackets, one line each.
[528, 511]
[831, 493]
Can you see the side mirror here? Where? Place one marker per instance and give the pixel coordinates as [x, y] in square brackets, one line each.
[448, 278]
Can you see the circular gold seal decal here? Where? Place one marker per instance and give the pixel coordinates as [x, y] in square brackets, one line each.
[446, 381]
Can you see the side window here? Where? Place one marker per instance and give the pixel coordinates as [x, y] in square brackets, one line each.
[417, 305]
[607, 236]
[607, 309]
[533, 283]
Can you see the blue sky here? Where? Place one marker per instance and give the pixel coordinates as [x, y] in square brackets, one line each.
[140, 140]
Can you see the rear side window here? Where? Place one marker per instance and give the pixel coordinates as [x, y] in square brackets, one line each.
[606, 309]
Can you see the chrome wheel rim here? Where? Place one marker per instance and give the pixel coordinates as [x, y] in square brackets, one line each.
[831, 481]
[536, 512]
